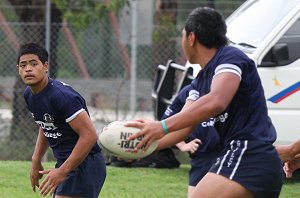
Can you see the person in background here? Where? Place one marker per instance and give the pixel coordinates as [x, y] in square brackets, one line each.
[65, 126]
[203, 145]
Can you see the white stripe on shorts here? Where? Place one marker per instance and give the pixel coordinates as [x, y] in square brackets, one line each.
[222, 162]
[239, 160]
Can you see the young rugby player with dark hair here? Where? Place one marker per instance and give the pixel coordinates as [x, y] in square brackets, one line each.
[203, 145]
[65, 126]
[230, 92]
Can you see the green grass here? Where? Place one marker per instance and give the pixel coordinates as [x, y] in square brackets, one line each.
[120, 182]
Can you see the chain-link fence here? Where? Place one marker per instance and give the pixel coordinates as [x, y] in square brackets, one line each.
[96, 60]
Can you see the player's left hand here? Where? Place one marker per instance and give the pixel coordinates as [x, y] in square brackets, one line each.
[192, 146]
[35, 176]
[52, 180]
[150, 130]
[291, 166]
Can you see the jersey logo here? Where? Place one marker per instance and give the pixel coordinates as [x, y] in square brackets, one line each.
[48, 118]
[285, 93]
[47, 123]
[212, 121]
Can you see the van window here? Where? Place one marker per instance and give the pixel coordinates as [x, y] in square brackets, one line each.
[286, 50]
[244, 29]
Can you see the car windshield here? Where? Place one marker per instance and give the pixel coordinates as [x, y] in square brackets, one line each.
[243, 30]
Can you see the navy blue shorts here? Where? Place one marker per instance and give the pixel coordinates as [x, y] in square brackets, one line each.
[86, 180]
[253, 164]
[200, 165]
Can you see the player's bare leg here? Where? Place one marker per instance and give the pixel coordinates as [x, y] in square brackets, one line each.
[213, 185]
[190, 190]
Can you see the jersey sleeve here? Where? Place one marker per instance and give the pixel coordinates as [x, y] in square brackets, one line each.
[69, 104]
[227, 67]
[235, 62]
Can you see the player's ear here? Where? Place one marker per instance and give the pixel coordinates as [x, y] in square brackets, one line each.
[46, 66]
[192, 38]
[17, 66]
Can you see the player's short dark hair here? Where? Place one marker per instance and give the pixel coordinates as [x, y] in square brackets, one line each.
[33, 48]
[208, 25]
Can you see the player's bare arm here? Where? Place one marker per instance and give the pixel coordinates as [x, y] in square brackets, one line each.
[36, 166]
[223, 89]
[82, 125]
[193, 145]
[288, 152]
[169, 139]
[172, 138]
[177, 136]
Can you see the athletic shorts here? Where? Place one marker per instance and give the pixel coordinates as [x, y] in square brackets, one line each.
[200, 165]
[253, 164]
[86, 180]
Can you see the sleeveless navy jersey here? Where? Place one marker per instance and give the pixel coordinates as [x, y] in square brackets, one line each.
[204, 131]
[52, 109]
[246, 117]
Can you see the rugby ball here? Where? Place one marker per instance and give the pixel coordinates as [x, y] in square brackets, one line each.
[114, 136]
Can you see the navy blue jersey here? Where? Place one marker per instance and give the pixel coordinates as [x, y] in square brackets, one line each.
[246, 117]
[204, 131]
[52, 109]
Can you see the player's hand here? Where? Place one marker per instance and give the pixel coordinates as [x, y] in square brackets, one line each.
[35, 176]
[291, 166]
[191, 147]
[52, 180]
[150, 130]
[285, 153]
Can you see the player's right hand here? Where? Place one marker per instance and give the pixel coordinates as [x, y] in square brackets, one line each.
[35, 176]
[150, 131]
[54, 177]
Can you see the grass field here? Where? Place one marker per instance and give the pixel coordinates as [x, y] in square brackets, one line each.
[120, 182]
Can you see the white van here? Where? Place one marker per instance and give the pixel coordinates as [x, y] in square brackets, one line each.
[268, 31]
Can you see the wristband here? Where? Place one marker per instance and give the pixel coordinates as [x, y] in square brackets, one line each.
[164, 126]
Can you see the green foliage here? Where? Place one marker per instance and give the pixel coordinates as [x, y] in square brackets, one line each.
[81, 13]
[167, 29]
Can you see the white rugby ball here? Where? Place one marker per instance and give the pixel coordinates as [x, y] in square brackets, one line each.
[114, 136]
